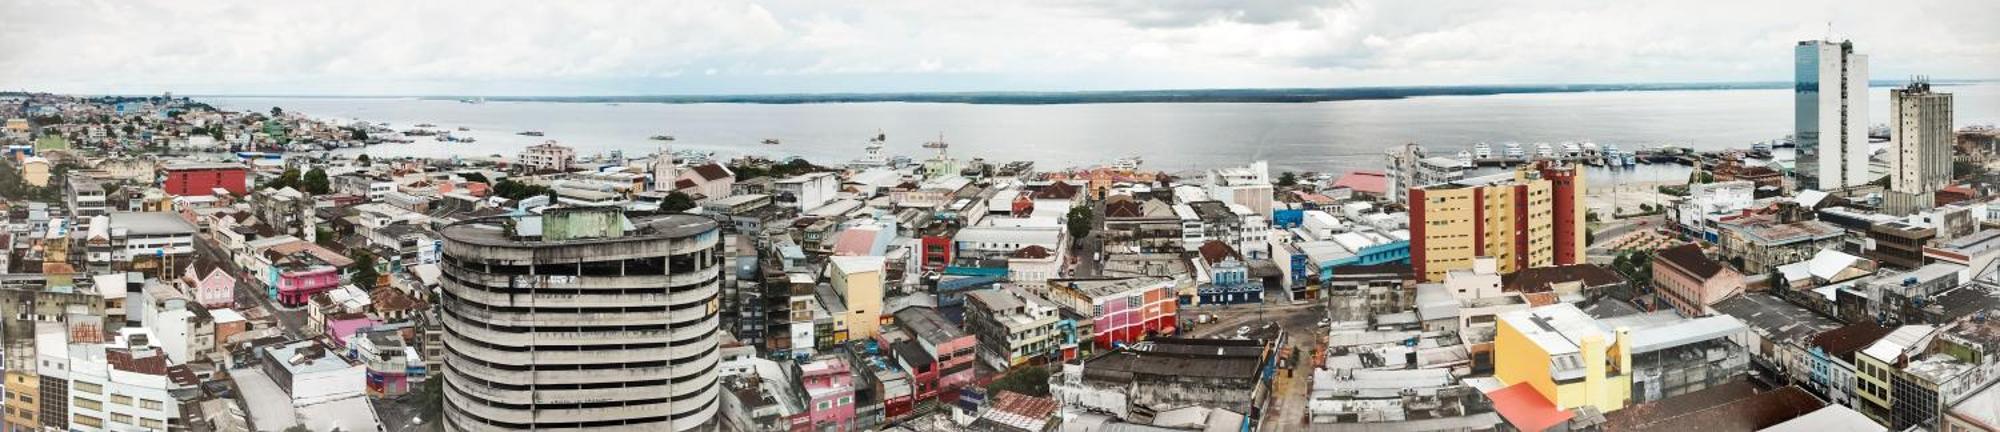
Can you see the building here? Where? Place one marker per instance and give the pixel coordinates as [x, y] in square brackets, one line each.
[948, 351]
[829, 390]
[120, 385]
[805, 192]
[1689, 281]
[1168, 374]
[1013, 327]
[1530, 218]
[1830, 115]
[1900, 244]
[1248, 186]
[1224, 276]
[858, 280]
[1832, 356]
[312, 372]
[393, 367]
[1920, 140]
[603, 354]
[1121, 311]
[1565, 357]
[1409, 168]
[547, 156]
[1911, 378]
[204, 178]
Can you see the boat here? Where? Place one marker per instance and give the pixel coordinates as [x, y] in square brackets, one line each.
[1465, 157]
[662, 138]
[530, 133]
[479, 100]
[1629, 159]
[1571, 149]
[1482, 151]
[1513, 151]
[426, 125]
[771, 141]
[872, 156]
[1130, 163]
[1591, 147]
[1544, 150]
[1760, 146]
[464, 129]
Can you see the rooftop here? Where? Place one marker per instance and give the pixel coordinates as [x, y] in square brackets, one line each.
[1774, 317]
[1690, 258]
[1843, 342]
[151, 223]
[1737, 405]
[1210, 358]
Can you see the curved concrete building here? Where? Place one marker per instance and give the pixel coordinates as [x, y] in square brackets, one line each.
[581, 319]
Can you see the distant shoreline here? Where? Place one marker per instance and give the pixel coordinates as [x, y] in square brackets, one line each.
[1288, 95]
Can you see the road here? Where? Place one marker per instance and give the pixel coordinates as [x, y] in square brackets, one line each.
[248, 292]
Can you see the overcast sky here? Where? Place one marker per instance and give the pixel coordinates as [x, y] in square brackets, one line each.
[711, 47]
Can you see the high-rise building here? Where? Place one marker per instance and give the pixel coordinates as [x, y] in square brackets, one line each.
[581, 319]
[1920, 135]
[1410, 168]
[1532, 217]
[1830, 115]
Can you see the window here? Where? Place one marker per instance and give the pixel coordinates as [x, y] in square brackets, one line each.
[121, 399]
[80, 402]
[121, 418]
[89, 421]
[149, 404]
[153, 424]
[89, 387]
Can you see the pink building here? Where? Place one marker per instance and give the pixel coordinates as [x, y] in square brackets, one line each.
[1690, 281]
[293, 279]
[947, 352]
[829, 393]
[1122, 310]
[210, 284]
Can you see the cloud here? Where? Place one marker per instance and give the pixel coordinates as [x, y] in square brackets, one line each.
[726, 46]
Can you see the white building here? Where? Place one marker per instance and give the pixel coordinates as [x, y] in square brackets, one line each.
[120, 386]
[1409, 167]
[807, 191]
[547, 156]
[1830, 123]
[1920, 137]
[1248, 186]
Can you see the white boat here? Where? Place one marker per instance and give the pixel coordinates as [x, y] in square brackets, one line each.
[1465, 157]
[1570, 149]
[1482, 151]
[1514, 151]
[1544, 150]
[1591, 147]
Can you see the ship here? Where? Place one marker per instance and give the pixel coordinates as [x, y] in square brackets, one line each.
[1571, 150]
[771, 141]
[1465, 157]
[464, 129]
[1543, 150]
[478, 100]
[872, 156]
[1482, 151]
[662, 138]
[426, 125]
[530, 133]
[1513, 151]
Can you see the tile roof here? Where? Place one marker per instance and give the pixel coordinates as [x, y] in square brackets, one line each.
[1737, 405]
[1214, 251]
[1539, 279]
[1689, 257]
[1031, 252]
[1845, 341]
[1526, 409]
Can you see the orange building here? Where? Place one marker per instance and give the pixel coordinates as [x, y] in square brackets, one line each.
[1532, 217]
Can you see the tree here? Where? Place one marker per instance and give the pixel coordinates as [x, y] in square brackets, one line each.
[316, 181]
[1080, 221]
[474, 177]
[298, 428]
[289, 179]
[430, 399]
[513, 190]
[364, 274]
[1287, 179]
[676, 202]
[1030, 380]
[362, 160]
[325, 237]
[275, 111]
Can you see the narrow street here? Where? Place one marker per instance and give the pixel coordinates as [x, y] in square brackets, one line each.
[248, 292]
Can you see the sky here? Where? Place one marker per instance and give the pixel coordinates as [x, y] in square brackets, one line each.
[523, 48]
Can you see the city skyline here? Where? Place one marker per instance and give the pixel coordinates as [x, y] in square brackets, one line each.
[799, 47]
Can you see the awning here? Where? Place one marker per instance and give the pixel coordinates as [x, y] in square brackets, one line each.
[1526, 409]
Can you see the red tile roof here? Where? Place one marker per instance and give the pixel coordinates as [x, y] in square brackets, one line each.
[1375, 182]
[1031, 252]
[1215, 250]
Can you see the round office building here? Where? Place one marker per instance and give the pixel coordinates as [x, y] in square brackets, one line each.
[581, 319]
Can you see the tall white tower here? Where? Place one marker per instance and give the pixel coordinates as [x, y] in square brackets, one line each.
[1920, 138]
[1830, 115]
[664, 170]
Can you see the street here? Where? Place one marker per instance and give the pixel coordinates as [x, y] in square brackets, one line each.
[1300, 322]
[247, 292]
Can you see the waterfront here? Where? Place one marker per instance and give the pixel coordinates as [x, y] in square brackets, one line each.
[1326, 136]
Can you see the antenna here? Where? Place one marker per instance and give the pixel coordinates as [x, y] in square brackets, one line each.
[1829, 31]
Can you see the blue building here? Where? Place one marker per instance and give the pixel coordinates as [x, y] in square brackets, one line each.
[1228, 276]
